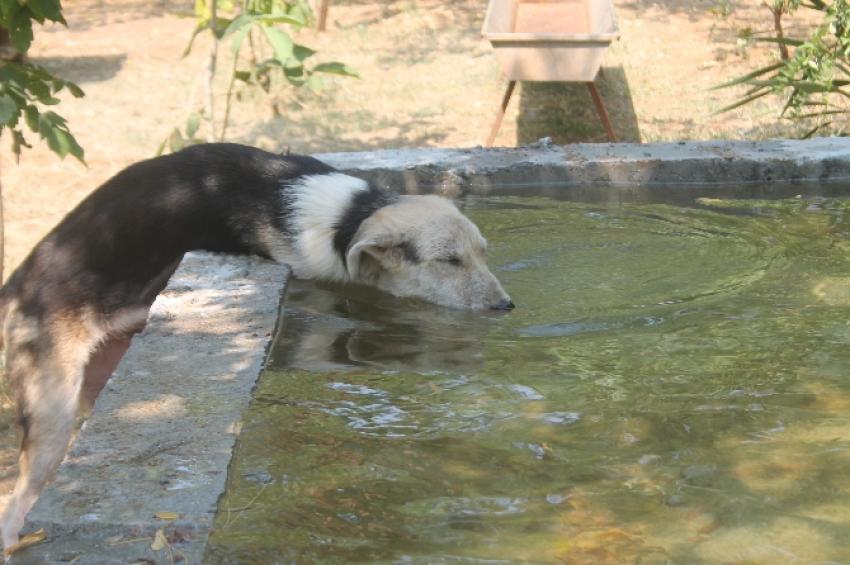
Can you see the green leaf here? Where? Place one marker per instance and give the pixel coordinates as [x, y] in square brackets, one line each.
[280, 42]
[281, 19]
[161, 149]
[780, 40]
[34, 12]
[8, 110]
[64, 144]
[299, 11]
[192, 124]
[31, 117]
[56, 119]
[52, 128]
[302, 52]
[176, 141]
[8, 9]
[75, 90]
[315, 83]
[821, 113]
[295, 74]
[749, 76]
[221, 25]
[742, 101]
[814, 130]
[238, 38]
[39, 89]
[202, 25]
[18, 141]
[336, 68]
[12, 73]
[239, 23]
[21, 31]
[47, 9]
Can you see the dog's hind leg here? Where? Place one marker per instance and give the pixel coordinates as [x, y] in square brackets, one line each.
[120, 329]
[100, 367]
[45, 366]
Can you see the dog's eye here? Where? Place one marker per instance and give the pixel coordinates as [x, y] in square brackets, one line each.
[454, 261]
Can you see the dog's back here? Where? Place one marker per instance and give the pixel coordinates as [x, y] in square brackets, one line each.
[136, 227]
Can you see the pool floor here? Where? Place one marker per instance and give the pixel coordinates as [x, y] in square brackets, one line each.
[674, 386]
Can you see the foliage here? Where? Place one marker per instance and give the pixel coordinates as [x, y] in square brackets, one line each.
[178, 139]
[23, 87]
[259, 25]
[288, 57]
[813, 80]
[17, 17]
[721, 8]
[26, 88]
[779, 8]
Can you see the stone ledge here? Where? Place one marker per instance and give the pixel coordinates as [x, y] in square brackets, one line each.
[162, 432]
[546, 167]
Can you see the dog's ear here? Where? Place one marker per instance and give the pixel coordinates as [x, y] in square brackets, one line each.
[367, 257]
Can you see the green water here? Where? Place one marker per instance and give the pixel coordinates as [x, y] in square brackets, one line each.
[674, 386]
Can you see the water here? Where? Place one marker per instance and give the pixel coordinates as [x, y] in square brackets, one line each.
[674, 386]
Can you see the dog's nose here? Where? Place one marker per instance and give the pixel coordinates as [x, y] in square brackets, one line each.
[505, 304]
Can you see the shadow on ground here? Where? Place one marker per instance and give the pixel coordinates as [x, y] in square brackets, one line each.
[694, 10]
[562, 111]
[351, 129]
[88, 15]
[85, 68]
[565, 112]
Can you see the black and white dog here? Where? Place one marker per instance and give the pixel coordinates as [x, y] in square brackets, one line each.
[70, 309]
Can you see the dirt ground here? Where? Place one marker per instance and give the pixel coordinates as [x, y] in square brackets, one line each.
[428, 79]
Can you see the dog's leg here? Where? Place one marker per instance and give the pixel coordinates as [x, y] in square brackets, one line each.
[45, 367]
[100, 367]
[120, 329]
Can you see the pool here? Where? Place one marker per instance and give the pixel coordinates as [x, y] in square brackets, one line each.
[673, 386]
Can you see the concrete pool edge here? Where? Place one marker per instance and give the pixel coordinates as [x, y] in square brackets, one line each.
[152, 434]
[163, 430]
[641, 166]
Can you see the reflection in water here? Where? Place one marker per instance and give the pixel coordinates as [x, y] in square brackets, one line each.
[352, 328]
[673, 387]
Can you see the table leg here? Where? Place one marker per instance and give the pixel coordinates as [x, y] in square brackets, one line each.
[600, 109]
[497, 123]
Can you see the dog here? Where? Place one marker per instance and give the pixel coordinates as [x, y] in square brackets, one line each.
[69, 311]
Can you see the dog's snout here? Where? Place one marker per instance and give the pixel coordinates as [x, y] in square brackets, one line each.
[505, 304]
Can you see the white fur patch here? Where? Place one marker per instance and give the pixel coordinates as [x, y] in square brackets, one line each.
[318, 203]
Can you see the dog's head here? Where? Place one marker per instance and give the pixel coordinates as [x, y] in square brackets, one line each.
[422, 246]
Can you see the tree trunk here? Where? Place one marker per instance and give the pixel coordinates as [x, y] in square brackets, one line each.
[210, 73]
[2, 237]
[777, 26]
[7, 50]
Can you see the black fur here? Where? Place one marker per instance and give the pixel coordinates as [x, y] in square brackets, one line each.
[364, 204]
[121, 244]
[410, 252]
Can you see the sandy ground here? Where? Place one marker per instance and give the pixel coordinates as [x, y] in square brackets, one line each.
[428, 79]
